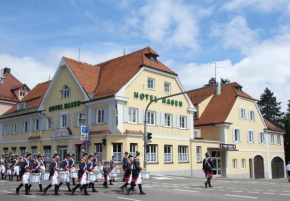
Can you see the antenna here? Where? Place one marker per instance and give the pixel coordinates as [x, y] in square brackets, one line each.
[124, 52]
[49, 77]
[79, 54]
[215, 67]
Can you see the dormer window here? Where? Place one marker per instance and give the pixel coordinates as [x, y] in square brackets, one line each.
[239, 88]
[65, 92]
[20, 106]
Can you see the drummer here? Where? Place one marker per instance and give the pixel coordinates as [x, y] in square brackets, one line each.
[72, 165]
[112, 169]
[106, 170]
[95, 159]
[2, 166]
[91, 170]
[25, 173]
[128, 171]
[53, 176]
[36, 168]
[82, 174]
[125, 159]
[65, 167]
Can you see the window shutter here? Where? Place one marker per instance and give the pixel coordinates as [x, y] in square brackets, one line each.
[254, 116]
[248, 136]
[16, 129]
[245, 114]
[58, 121]
[253, 137]
[260, 138]
[2, 129]
[93, 116]
[188, 122]
[75, 119]
[44, 120]
[106, 112]
[240, 113]
[68, 120]
[157, 118]
[177, 121]
[174, 121]
[52, 120]
[126, 114]
[162, 119]
[28, 126]
[233, 135]
[275, 139]
[141, 116]
[86, 114]
[240, 137]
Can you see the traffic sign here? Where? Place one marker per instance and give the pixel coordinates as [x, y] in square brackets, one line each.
[84, 130]
[84, 143]
[89, 143]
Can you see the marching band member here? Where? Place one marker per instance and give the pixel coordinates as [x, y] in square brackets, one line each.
[25, 173]
[207, 168]
[112, 169]
[36, 168]
[2, 165]
[125, 160]
[9, 168]
[15, 168]
[136, 177]
[106, 170]
[91, 169]
[95, 159]
[128, 171]
[65, 166]
[53, 174]
[82, 175]
[72, 165]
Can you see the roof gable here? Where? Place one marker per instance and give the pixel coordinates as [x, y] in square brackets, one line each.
[5, 89]
[272, 127]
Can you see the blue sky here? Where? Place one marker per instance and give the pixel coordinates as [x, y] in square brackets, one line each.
[250, 39]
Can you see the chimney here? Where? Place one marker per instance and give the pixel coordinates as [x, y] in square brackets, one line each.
[7, 70]
[218, 88]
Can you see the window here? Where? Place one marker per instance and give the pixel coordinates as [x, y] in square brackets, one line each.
[150, 118]
[167, 153]
[197, 133]
[133, 149]
[195, 115]
[132, 115]
[234, 164]
[182, 122]
[261, 138]
[100, 116]
[236, 135]
[167, 87]
[22, 150]
[150, 83]
[33, 150]
[271, 139]
[242, 113]
[182, 154]
[117, 152]
[198, 154]
[15, 128]
[47, 153]
[13, 150]
[63, 121]
[252, 115]
[250, 137]
[151, 154]
[5, 151]
[65, 92]
[6, 129]
[99, 150]
[81, 119]
[243, 164]
[25, 126]
[49, 123]
[278, 140]
[168, 118]
[78, 153]
[21, 106]
[36, 125]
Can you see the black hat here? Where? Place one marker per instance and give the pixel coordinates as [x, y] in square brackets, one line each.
[38, 156]
[28, 154]
[96, 153]
[85, 154]
[130, 156]
[207, 154]
[91, 155]
[73, 154]
[126, 152]
[67, 155]
[137, 153]
[56, 154]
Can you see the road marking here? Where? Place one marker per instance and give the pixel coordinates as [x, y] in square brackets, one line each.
[147, 186]
[186, 190]
[269, 193]
[240, 196]
[230, 188]
[272, 190]
[222, 190]
[4, 191]
[253, 192]
[164, 183]
[219, 187]
[257, 189]
[185, 187]
[127, 199]
[285, 194]
[193, 185]
[198, 188]
[165, 186]
[31, 196]
[238, 191]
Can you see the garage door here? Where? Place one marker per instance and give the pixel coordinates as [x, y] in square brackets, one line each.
[277, 168]
[259, 167]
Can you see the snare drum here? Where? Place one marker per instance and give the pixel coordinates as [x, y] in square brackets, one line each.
[45, 176]
[63, 176]
[74, 174]
[34, 177]
[99, 175]
[92, 177]
[100, 167]
[113, 175]
[118, 170]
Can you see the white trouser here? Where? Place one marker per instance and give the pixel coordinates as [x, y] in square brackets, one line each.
[40, 179]
[9, 172]
[2, 169]
[84, 179]
[91, 179]
[25, 178]
[54, 178]
[16, 170]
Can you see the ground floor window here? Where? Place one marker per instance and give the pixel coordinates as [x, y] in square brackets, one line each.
[13, 150]
[133, 149]
[182, 154]
[33, 150]
[234, 164]
[117, 152]
[243, 164]
[167, 153]
[47, 153]
[22, 150]
[99, 150]
[198, 154]
[5, 151]
[151, 154]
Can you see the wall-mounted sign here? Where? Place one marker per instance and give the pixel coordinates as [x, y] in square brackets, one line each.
[167, 132]
[64, 106]
[166, 101]
[228, 146]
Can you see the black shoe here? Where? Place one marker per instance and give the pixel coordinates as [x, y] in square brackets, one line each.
[75, 188]
[128, 190]
[40, 188]
[56, 187]
[111, 183]
[68, 187]
[27, 190]
[85, 189]
[45, 190]
[81, 188]
[205, 184]
[93, 187]
[141, 191]
[18, 189]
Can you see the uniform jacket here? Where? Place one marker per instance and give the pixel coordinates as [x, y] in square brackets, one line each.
[136, 163]
[71, 163]
[53, 167]
[83, 167]
[95, 161]
[125, 161]
[64, 164]
[36, 166]
[207, 165]
[90, 166]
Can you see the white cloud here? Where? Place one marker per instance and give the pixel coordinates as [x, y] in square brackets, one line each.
[236, 34]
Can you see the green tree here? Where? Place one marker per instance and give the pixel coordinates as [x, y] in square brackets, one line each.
[287, 136]
[270, 108]
[213, 82]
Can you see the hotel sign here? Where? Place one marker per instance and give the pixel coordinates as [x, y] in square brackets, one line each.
[167, 132]
[64, 106]
[228, 146]
[166, 101]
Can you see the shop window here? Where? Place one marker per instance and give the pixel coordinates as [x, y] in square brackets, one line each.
[78, 152]
[182, 154]
[99, 150]
[151, 154]
[234, 164]
[168, 120]
[167, 153]
[47, 153]
[167, 87]
[150, 83]
[182, 122]
[243, 164]
[133, 149]
[117, 152]
[65, 92]
[22, 150]
[132, 115]
[5, 151]
[150, 118]
[100, 116]
[250, 137]
[198, 154]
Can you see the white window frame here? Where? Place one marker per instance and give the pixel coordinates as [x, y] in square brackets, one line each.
[118, 152]
[168, 120]
[278, 140]
[168, 153]
[243, 163]
[133, 149]
[63, 121]
[250, 115]
[21, 106]
[152, 153]
[262, 140]
[25, 126]
[132, 114]
[242, 113]
[151, 117]
[150, 85]
[47, 153]
[81, 119]
[167, 89]
[5, 151]
[198, 154]
[251, 133]
[182, 154]
[235, 164]
[14, 128]
[33, 150]
[182, 122]
[36, 125]
[100, 116]
[66, 92]
[99, 150]
[6, 129]
[238, 139]
[272, 140]
[13, 150]
[48, 125]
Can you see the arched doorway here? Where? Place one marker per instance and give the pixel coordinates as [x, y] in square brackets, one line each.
[277, 168]
[259, 167]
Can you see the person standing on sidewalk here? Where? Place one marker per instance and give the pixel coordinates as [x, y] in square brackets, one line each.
[207, 169]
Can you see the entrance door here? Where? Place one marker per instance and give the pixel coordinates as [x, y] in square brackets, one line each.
[277, 168]
[217, 163]
[62, 153]
[259, 167]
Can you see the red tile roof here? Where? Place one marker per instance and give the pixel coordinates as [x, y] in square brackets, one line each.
[133, 132]
[100, 132]
[219, 106]
[272, 127]
[5, 88]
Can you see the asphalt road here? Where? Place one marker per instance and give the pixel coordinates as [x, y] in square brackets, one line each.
[168, 188]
